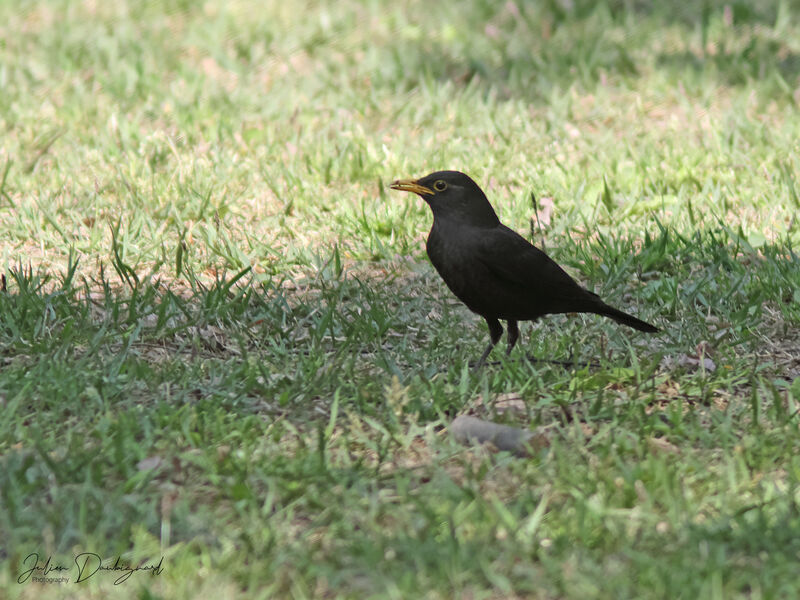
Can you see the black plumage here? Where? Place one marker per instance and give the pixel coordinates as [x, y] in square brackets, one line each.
[492, 269]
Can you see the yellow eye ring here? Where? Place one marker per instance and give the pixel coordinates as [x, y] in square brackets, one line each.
[440, 185]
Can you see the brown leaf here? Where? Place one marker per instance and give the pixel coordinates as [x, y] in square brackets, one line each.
[544, 214]
[692, 363]
[703, 349]
[491, 31]
[149, 463]
[510, 403]
[662, 445]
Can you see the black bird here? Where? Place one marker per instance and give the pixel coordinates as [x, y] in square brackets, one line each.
[492, 269]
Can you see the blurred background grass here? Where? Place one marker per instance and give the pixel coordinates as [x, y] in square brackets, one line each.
[259, 131]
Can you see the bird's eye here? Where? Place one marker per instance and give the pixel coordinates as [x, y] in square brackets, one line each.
[440, 186]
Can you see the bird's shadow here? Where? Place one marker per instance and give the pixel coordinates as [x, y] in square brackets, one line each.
[567, 364]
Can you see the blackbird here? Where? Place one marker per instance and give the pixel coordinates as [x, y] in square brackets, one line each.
[492, 269]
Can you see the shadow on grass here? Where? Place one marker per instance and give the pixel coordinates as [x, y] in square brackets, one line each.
[267, 346]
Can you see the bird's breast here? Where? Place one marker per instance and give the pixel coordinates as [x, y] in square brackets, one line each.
[454, 256]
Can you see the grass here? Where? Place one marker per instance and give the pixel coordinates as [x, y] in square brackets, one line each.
[221, 342]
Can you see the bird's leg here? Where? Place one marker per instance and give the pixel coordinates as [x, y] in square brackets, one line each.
[512, 335]
[495, 333]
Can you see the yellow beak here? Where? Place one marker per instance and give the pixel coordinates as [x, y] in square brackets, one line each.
[411, 185]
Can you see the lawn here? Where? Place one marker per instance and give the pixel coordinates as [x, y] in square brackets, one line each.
[223, 348]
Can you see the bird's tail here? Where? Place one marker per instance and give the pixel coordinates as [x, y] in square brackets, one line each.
[626, 319]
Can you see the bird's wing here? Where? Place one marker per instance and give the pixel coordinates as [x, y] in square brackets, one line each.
[512, 258]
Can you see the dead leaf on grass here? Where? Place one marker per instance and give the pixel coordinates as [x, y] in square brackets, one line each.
[662, 446]
[544, 215]
[510, 403]
[700, 359]
[149, 463]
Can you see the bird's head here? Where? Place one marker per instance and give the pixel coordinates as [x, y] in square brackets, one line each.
[452, 196]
